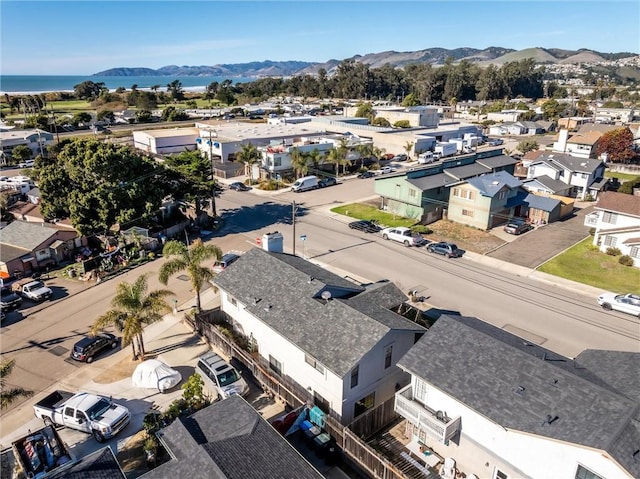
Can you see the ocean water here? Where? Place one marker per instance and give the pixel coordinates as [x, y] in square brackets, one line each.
[32, 84]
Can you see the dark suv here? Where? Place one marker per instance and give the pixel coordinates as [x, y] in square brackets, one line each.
[9, 300]
[89, 347]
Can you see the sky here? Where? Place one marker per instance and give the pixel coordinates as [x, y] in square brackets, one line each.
[85, 37]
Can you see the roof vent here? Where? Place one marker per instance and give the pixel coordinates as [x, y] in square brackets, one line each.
[326, 295]
[267, 308]
[256, 300]
[310, 280]
[550, 419]
[520, 390]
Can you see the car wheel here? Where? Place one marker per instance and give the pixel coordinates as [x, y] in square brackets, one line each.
[406, 243]
[606, 306]
[89, 359]
[447, 255]
[385, 237]
[114, 344]
[98, 436]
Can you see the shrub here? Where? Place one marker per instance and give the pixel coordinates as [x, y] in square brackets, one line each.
[614, 251]
[421, 229]
[593, 247]
[269, 185]
[625, 260]
[592, 231]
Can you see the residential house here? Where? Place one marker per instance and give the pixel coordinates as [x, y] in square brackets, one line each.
[504, 407]
[512, 128]
[615, 116]
[580, 145]
[585, 176]
[28, 247]
[616, 220]
[423, 193]
[228, 440]
[512, 115]
[486, 201]
[334, 339]
[574, 122]
[100, 464]
[35, 139]
[532, 127]
[545, 185]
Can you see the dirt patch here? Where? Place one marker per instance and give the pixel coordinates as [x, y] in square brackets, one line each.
[465, 237]
[121, 370]
[132, 457]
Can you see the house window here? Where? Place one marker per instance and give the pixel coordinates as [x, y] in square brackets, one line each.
[611, 218]
[354, 376]
[412, 193]
[502, 195]
[584, 473]
[233, 301]
[364, 404]
[388, 354]
[277, 161]
[420, 390]
[275, 365]
[311, 361]
[500, 475]
[464, 194]
[610, 241]
[467, 213]
[634, 252]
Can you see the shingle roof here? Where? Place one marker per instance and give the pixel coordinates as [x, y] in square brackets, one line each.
[581, 165]
[467, 171]
[23, 234]
[619, 203]
[552, 185]
[483, 367]
[285, 292]
[499, 161]
[101, 464]
[430, 182]
[543, 203]
[491, 183]
[229, 440]
[587, 138]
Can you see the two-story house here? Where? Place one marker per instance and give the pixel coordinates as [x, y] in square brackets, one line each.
[580, 145]
[616, 220]
[334, 338]
[506, 408]
[585, 176]
[486, 201]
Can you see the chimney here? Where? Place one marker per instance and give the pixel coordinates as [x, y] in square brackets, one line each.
[561, 145]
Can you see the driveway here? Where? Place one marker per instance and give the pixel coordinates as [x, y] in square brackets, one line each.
[534, 248]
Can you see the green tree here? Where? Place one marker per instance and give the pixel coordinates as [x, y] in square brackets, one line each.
[551, 109]
[628, 186]
[144, 116]
[97, 185]
[171, 113]
[88, 90]
[194, 394]
[249, 155]
[133, 309]
[175, 90]
[180, 257]
[408, 147]
[107, 116]
[299, 162]
[20, 153]
[410, 100]
[194, 182]
[380, 121]
[617, 144]
[365, 110]
[335, 157]
[9, 395]
[525, 146]
[80, 117]
[402, 124]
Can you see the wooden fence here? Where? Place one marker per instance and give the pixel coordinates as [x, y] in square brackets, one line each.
[350, 439]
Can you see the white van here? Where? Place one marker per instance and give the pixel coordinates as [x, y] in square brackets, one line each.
[305, 183]
[426, 158]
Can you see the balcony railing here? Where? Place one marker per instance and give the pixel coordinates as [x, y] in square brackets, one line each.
[591, 219]
[435, 424]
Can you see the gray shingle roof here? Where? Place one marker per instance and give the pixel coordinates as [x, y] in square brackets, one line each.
[101, 464]
[552, 185]
[572, 163]
[467, 171]
[542, 203]
[229, 440]
[276, 288]
[491, 183]
[482, 366]
[499, 161]
[23, 234]
[430, 182]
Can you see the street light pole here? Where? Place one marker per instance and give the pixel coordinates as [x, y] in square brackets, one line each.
[213, 184]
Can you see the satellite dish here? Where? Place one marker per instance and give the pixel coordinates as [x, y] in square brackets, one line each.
[326, 295]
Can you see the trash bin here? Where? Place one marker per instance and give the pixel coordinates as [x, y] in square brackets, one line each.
[321, 443]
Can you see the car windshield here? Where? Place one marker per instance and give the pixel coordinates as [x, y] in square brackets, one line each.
[36, 284]
[406, 233]
[228, 377]
[98, 408]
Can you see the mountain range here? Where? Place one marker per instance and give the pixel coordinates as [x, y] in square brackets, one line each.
[434, 56]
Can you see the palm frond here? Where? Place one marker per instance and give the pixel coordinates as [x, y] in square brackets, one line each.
[171, 267]
[174, 248]
[8, 397]
[114, 318]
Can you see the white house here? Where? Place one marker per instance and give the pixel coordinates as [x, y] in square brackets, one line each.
[36, 140]
[580, 145]
[505, 408]
[585, 176]
[336, 339]
[616, 220]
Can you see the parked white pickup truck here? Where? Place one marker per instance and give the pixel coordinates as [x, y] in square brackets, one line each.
[31, 289]
[85, 412]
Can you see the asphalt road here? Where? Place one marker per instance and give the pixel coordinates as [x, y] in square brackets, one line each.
[565, 321]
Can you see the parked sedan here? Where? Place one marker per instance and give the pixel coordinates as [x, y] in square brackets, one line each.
[449, 250]
[625, 303]
[324, 182]
[238, 186]
[403, 235]
[517, 228]
[89, 347]
[400, 157]
[366, 174]
[364, 225]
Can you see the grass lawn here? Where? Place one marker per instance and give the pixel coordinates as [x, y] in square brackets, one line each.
[621, 176]
[368, 212]
[580, 263]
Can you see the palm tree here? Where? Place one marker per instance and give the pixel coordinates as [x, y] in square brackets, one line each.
[249, 155]
[299, 161]
[8, 396]
[335, 157]
[408, 146]
[365, 150]
[132, 310]
[316, 156]
[182, 258]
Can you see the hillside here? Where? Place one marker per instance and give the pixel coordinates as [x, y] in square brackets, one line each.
[434, 56]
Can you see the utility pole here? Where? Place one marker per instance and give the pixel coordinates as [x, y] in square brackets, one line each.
[213, 181]
[293, 222]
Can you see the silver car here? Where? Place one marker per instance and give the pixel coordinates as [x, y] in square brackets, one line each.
[403, 235]
[220, 377]
[625, 303]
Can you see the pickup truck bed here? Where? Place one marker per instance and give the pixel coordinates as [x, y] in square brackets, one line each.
[53, 400]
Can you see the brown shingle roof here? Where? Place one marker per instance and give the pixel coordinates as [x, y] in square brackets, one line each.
[589, 138]
[533, 154]
[619, 203]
